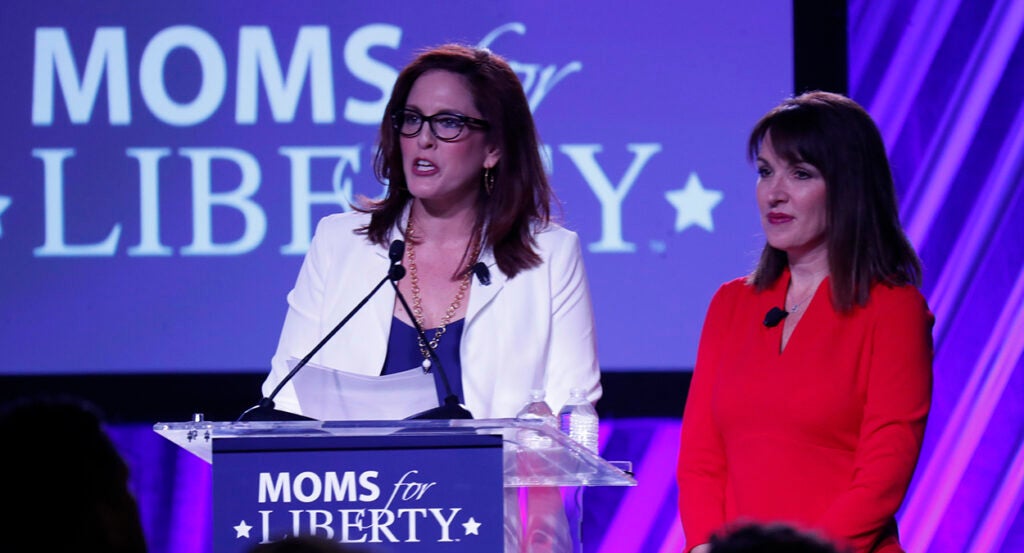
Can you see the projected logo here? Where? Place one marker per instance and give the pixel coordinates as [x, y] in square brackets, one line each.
[234, 189]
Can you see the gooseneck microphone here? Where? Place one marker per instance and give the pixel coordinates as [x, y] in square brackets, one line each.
[264, 410]
[774, 316]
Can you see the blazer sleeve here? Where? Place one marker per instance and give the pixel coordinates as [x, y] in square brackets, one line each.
[898, 398]
[301, 329]
[701, 471]
[572, 347]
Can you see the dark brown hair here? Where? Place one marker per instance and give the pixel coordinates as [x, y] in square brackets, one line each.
[521, 196]
[866, 244]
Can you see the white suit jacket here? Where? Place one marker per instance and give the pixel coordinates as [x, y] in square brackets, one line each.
[534, 331]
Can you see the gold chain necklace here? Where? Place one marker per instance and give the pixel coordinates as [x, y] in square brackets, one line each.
[417, 300]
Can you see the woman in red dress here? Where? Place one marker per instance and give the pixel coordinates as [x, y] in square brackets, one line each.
[813, 378]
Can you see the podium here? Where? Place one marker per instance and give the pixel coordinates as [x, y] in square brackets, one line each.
[385, 486]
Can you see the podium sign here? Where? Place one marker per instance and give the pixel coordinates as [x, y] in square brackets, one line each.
[394, 493]
[388, 486]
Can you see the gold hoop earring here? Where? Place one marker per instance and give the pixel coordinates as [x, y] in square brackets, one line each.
[488, 180]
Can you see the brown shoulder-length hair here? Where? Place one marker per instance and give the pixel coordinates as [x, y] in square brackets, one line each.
[521, 196]
[866, 243]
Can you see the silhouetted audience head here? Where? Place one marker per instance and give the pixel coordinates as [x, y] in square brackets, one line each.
[305, 544]
[769, 538]
[65, 487]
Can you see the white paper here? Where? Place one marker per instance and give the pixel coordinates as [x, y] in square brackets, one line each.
[331, 395]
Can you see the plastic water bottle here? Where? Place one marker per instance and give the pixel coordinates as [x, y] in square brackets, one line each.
[578, 419]
[537, 409]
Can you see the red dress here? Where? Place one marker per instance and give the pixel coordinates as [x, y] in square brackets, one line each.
[823, 435]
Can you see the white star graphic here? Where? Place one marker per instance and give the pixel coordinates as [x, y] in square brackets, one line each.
[693, 204]
[242, 530]
[5, 202]
[472, 527]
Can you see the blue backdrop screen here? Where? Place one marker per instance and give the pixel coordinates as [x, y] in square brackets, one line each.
[162, 166]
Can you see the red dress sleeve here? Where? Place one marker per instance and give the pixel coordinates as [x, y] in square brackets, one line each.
[898, 386]
[701, 470]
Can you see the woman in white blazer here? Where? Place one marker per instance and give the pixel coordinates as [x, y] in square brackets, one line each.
[465, 189]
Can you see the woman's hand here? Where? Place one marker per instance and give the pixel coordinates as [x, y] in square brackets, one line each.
[702, 548]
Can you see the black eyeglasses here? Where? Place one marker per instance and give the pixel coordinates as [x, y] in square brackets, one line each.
[444, 125]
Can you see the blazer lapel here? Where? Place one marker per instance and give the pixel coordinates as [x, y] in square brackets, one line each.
[365, 338]
[480, 295]
[383, 306]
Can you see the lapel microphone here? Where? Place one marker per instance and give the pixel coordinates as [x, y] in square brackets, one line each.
[774, 316]
[483, 274]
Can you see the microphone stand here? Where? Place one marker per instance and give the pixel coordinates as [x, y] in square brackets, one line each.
[264, 410]
[450, 407]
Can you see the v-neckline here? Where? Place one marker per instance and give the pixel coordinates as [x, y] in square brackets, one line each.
[784, 346]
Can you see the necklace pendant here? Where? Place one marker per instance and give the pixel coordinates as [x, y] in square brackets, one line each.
[426, 365]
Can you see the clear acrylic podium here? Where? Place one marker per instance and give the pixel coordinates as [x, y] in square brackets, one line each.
[532, 455]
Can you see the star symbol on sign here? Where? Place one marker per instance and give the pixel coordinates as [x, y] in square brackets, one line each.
[242, 530]
[5, 202]
[472, 527]
[693, 204]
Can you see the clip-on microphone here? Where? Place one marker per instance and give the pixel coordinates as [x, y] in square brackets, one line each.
[774, 316]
